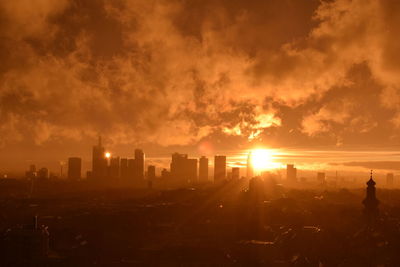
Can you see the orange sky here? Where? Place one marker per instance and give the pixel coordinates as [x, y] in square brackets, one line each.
[174, 75]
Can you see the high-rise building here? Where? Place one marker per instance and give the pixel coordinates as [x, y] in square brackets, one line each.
[99, 161]
[192, 170]
[165, 174]
[389, 179]
[321, 177]
[291, 173]
[235, 173]
[124, 169]
[151, 172]
[114, 168]
[131, 170]
[74, 168]
[219, 168]
[139, 164]
[249, 169]
[178, 166]
[43, 173]
[203, 169]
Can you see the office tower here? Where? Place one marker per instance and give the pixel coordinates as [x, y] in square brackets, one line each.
[99, 161]
[165, 174]
[291, 173]
[74, 168]
[124, 169]
[114, 168]
[31, 173]
[178, 166]
[151, 172]
[219, 168]
[389, 179]
[43, 173]
[131, 170]
[203, 169]
[192, 170]
[235, 173]
[249, 169]
[139, 164]
[371, 202]
[321, 177]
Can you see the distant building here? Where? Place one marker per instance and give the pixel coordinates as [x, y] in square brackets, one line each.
[131, 170]
[321, 177]
[151, 172]
[31, 173]
[249, 169]
[389, 179]
[178, 166]
[203, 169]
[139, 164]
[291, 173]
[114, 168]
[192, 170]
[165, 174]
[371, 202]
[74, 168]
[219, 168]
[99, 161]
[124, 174]
[43, 174]
[235, 173]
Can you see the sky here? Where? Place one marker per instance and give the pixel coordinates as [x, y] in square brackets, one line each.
[200, 77]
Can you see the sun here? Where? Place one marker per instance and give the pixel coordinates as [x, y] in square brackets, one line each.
[107, 154]
[261, 159]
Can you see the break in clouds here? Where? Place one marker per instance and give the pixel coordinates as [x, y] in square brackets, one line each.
[177, 72]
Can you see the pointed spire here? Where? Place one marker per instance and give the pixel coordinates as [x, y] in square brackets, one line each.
[371, 181]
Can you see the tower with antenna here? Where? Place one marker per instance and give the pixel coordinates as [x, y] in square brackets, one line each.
[370, 202]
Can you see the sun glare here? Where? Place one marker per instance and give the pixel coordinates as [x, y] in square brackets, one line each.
[262, 159]
[108, 155]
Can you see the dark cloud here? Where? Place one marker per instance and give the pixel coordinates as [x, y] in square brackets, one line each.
[173, 73]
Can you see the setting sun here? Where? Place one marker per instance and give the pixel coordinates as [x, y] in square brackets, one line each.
[262, 159]
[108, 155]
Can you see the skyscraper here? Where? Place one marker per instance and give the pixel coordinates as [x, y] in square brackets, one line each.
[389, 179]
[219, 168]
[124, 169]
[139, 164]
[321, 177]
[249, 168]
[203, 169]
[99, 161]
[291, 173]
[74, 168]
[151, 172]
[178, 165]
[131, 170]
[235, 173]
[114, 168]
[191, 165]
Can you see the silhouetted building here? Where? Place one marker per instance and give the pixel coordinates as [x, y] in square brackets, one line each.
[114, 168]
[139, 164]
[178, 166]
[99, 161]
[235, 173]
[124, 174]
[219, 168]
[371, 202]
[131, 170]
[389, 179]
[291, 173]
[321, 177]
[192, 170]
[151, 172]
[203, 169]
[74, 168]
[31, 173]
[165, 174]
[43, 174]
[249, 168]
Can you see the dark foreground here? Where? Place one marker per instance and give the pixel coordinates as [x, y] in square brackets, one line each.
[223, 225]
